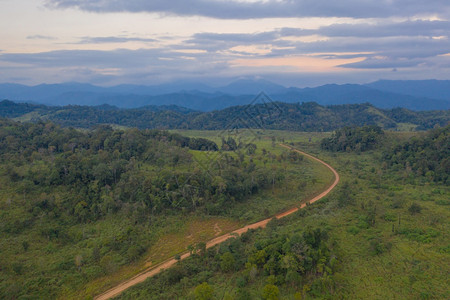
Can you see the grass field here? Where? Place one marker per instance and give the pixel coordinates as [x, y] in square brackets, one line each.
[402, 255]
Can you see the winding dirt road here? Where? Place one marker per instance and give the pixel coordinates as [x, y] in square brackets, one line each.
[261, 224]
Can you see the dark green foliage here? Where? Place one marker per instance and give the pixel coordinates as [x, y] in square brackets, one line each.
[203, 291]
[357, 139]
[243, 294]
[425, 119]
[202, 144]
[345, 196]
[229, 144]
[415, 209]
[428, 156]
[270, 292]
[419, 235]
[100, 167]
[25, 245]
[251, 148]
[227, 262]
[17, 268]
[11, 109]
[378, 246]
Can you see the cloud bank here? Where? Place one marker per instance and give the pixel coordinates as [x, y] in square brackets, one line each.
[371, 37]
[222, 9]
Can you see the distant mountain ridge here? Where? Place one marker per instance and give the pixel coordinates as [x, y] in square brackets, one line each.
[436, 89]
[414, 95]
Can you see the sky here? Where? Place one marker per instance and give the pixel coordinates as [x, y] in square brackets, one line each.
[290, 42]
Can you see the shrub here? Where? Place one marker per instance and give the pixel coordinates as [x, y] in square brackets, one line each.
[271, 292]
[203, 291]
[227, 262]
[17, 267]
[415, 209]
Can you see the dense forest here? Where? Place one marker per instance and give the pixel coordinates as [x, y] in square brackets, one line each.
[102, 167]
[428, 156]
[353, 139]
[274, 115]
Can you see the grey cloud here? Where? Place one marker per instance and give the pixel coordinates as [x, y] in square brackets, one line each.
[286, 31]
[382, 51]
[161, 60]
[383, 29]
[397, 40]
[378, 53]
[213, 42]
[112, 39]
[41, 37]
[252, 38]
[383, 63]
[263, 9]
[200, 38]
[121, 58]
[367, 34]
[113, 66]
[72, 58]
[438, 63]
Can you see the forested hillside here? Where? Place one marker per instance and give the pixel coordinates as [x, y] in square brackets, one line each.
[281, 116]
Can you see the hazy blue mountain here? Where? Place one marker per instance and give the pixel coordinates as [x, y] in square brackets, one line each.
[437, 89]
[201, 97]
[43, 92]
[333, 94]
[251, 87]
[161, 89]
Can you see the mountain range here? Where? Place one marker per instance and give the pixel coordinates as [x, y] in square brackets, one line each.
[386, 94]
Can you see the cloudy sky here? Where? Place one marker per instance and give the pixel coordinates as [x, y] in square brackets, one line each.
[292, 42]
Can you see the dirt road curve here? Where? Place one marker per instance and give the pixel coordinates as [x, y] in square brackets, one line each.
[261, 224]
